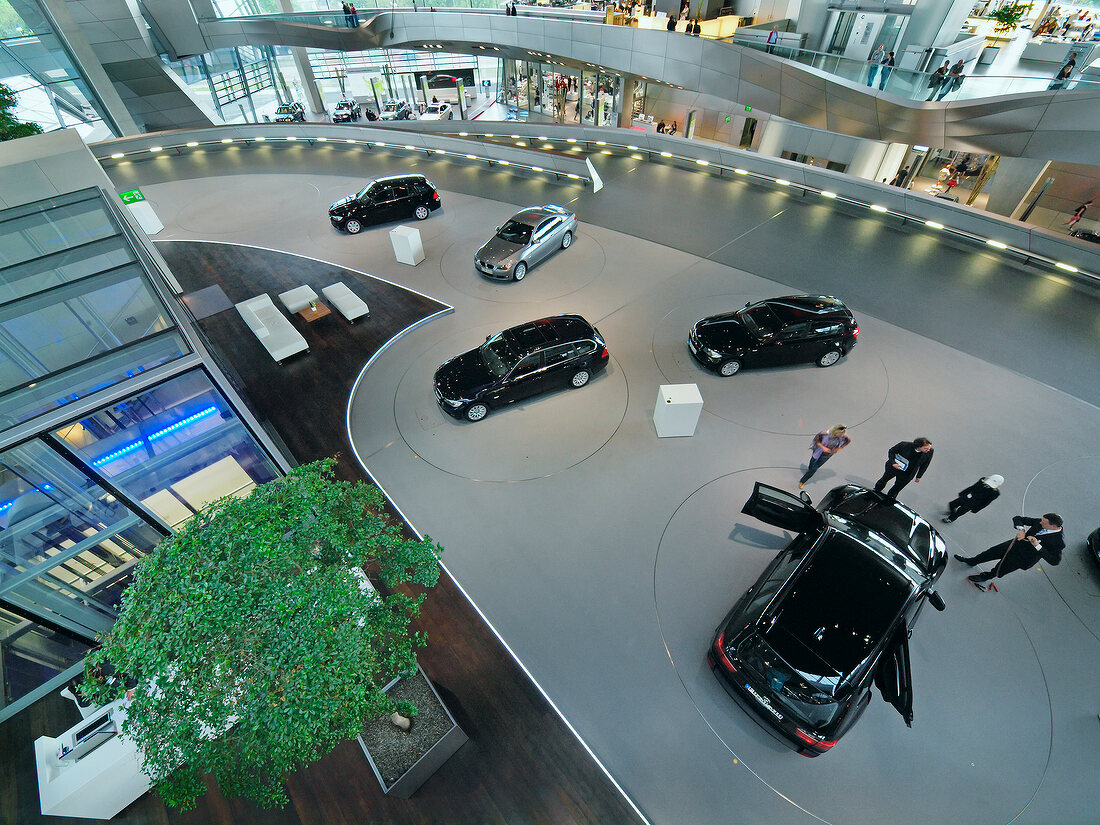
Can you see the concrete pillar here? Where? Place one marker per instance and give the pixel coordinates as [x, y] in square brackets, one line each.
[305, 70]
[626, 100]
[1014, 184]
[771, 141]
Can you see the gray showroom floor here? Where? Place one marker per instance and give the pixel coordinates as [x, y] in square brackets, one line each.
[605, 556]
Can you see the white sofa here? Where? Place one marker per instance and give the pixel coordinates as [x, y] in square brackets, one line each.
[351, 306]
[274, 329]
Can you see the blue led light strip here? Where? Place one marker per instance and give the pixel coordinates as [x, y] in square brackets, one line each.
[121, 451]
[42, 489]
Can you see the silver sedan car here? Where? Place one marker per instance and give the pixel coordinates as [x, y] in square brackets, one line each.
[528, 237]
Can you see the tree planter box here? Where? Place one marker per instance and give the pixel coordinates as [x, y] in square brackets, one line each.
[404, 761]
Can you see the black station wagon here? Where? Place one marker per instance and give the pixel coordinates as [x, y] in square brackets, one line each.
[796, 329]
[385, 199]
[532, 358]
[830, 616]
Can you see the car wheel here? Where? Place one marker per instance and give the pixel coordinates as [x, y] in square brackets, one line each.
[476, 412]
[520, 271]
[731, 367]
[829, 358]
[566, 240]
[421, 212]
[580, 378]
[353, 227]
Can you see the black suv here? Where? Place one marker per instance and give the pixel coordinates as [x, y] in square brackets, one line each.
[830, 616]
[385, 199]
[346, 111]
[290, 112]
[536, 357]
[795, 329]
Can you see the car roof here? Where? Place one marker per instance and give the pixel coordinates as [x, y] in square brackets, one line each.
[888, 525]
[536, 334]
[391, 178]
[534, 215]
[792, 308]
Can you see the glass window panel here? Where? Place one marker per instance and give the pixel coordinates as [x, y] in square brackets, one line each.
[27, 237]
[175, 447]
[34, 653]
[60, 267]
[100, 374]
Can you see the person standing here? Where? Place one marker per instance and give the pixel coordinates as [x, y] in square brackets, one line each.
[977, 496]
[906, 461]
[1036, 538]
[884, 71]
[1063, 73]
[671, 24]
[1078, 213]
[873, 62]
[938, 78]
[347, 14]
[354, 15]
[899, 178]
[825, 444]
[954, 81]
[773, 39]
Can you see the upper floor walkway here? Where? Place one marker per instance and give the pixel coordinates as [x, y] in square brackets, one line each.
[825, 92]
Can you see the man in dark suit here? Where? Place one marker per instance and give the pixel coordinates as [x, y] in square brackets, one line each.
[1036, 538]
[906, 461]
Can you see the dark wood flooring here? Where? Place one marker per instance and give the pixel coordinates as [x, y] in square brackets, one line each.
[521, 766]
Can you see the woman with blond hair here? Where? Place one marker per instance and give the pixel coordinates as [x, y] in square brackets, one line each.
[825, 444]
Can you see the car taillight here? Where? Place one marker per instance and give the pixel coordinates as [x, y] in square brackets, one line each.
[811, 740]
[720, 649]
[435, 197]
[855, 332]
[603, 353]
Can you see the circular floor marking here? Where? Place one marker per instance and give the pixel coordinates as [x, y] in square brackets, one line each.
[794, 392]
[271, 201]
[526, 440]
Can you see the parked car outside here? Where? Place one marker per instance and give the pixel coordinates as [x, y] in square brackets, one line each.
[346, 111]
[795, 329]
[1086, 235]
[518, 363]
[385, 199]
[830, 616]
[396, 110]
[290, 112]
[531, 235]
[438, 111]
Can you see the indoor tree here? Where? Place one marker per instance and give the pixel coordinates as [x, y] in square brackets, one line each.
[1008, 17]
[10, 128]
[255, 644]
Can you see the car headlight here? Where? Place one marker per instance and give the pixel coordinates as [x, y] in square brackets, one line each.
[454, 403]
[502, 267]
[710, 353]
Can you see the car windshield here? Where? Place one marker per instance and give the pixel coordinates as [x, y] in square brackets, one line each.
[343, 105]
[515, 232]
[841, 605]
[760, 320]
[435, 109]
[365, 192]
[498, 356]
[282, 110]
[392, 107]
[905, 533]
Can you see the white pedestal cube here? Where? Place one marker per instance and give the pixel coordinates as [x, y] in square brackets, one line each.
[407, 247]
[677, 410]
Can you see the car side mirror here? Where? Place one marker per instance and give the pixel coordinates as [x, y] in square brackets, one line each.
[936, 600]
[487, 337]
[805, 497]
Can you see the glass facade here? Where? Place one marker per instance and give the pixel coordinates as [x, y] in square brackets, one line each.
[85, 494]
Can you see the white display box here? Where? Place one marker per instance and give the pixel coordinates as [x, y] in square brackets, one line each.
[677, 410]
[407, 247]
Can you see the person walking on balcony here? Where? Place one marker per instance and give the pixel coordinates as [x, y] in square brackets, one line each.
[773, 39]
[1078, 213]
[954, 81]
[1064, 73]
[877, 58]
[884, 72]
[938, 78]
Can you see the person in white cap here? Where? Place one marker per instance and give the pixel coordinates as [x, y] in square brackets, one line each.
[977, 496]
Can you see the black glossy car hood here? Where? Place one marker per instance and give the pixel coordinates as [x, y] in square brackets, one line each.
[463, 376]
[724, 332]
[342, 202]
[497, 250]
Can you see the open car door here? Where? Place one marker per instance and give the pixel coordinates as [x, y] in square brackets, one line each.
[781, 509]
[893, 677]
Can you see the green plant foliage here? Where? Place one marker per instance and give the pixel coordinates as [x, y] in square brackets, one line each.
[1008, 17]
[10, 128]
[255, 646]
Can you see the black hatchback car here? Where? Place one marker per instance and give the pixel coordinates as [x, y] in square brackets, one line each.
[830, 616]
[385, 199]
[795, 329]
[532, 358]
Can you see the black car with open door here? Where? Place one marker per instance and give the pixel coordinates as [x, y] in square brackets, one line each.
[830, 616]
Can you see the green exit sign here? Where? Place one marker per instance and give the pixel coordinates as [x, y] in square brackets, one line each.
[729, 118]
[133, 196]
[748, 108]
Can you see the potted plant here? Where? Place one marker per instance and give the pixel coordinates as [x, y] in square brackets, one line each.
[254, 644]
[407, 747]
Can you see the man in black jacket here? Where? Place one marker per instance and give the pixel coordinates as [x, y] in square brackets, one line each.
[906, 461]
[1036, 538]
